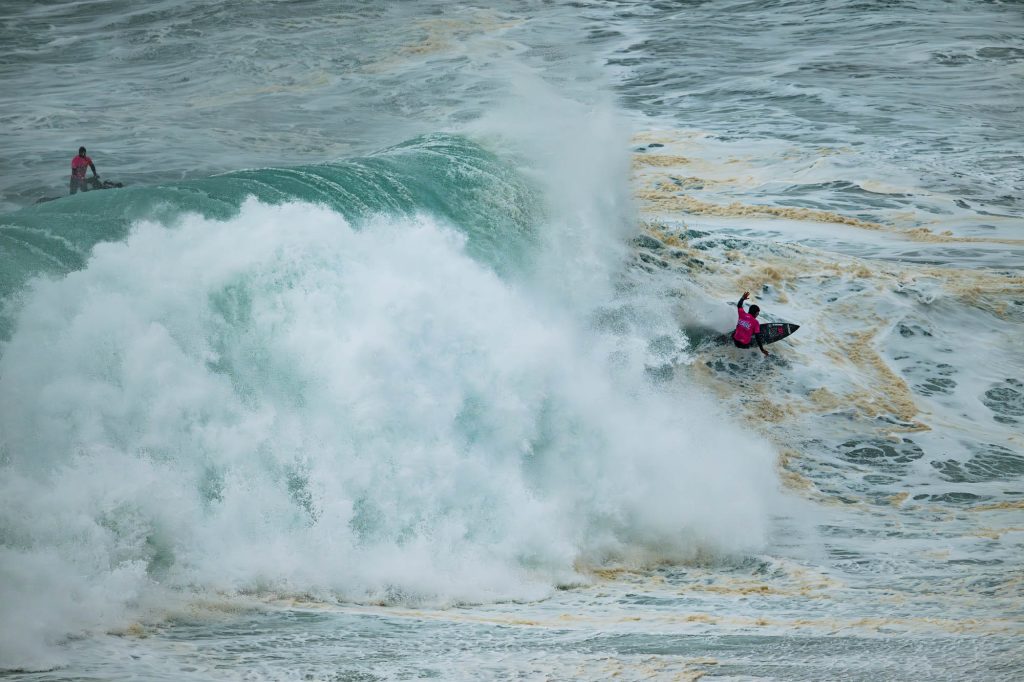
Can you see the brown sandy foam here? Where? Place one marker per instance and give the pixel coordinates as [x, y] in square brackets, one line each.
[668, 201]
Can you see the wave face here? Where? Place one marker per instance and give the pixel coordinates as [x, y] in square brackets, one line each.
[378, 397]
[446, 175]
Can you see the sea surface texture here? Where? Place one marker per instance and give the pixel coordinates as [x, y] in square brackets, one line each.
[399, 353]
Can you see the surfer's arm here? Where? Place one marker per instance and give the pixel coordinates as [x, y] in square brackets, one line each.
[757, 337]
[93, 166]
[739, 303]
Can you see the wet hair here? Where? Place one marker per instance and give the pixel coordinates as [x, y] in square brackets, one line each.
[81, 150]
[754, 310]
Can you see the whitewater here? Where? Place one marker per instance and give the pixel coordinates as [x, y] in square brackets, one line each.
[395, 356]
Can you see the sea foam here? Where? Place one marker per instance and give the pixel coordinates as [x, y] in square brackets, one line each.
[280, 402]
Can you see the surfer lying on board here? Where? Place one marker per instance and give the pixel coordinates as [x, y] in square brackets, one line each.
[747, 327]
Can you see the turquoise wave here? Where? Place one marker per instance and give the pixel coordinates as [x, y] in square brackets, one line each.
[447, 176]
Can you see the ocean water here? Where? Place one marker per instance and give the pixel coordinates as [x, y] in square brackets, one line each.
[393, 358]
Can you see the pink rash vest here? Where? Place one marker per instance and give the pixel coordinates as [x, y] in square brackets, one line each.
[746, 327]
[79, 164]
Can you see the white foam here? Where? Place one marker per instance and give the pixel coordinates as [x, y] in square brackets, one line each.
[282, 402]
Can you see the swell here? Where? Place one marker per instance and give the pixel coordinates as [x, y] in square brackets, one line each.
[447, 176]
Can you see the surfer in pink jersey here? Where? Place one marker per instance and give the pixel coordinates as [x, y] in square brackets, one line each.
[79, 164]
[747, 328]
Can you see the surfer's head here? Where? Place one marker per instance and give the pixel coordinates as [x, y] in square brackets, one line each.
[81, 151]
[754, 310]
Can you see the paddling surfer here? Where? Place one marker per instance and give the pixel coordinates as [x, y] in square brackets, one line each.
[747, 327]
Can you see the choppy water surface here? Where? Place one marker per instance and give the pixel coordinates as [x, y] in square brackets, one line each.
[394, 358]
